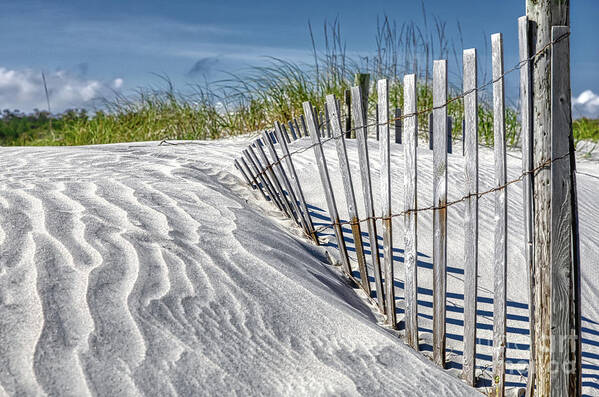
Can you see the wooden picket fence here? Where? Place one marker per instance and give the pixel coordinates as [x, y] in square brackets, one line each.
[267, 165]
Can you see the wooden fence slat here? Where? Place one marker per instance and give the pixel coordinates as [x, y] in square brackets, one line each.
[360, 134]
[265, 179]
[327, 121]
[245, 177]
[299, 194]
[397, 125]
[411, 203]
[277, 180]
[348, 187]
[253, 178]
[430, 131]
[259, 178]
[439, 126]
[326, 183]
[562, 293]
[449, 135]
[382, 123]
[376, 120]
[285, 133]
[470, 215]
[527, 166]
[500, 242]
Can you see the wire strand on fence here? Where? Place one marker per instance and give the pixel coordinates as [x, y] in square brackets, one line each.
[518, 66]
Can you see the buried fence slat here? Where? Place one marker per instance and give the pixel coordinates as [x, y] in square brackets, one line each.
[253, 178]
[527, 166]
[245, 177]
[284, 182]
[382, 118]
[348, 188]
[259, 179]
[565, 377]
[261, 171]
[439, 214]
[326, 184]
[397, 125]
[292, 130]
[276, 179]
[470, 215]
[500, 242]
[360, 134]
[299, 194]
[411, 203]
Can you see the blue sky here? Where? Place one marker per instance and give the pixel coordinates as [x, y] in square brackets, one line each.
[88, 48]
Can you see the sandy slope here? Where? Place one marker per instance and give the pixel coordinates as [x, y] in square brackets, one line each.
[138, 269]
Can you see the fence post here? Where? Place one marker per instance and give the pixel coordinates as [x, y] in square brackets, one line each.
[361, 131]
[565, 314]
[471, 214]
[439, 124]
[500, 242]
[326, 184]
[350, 198]
[526, 128]
[385, 174]
[411, 203]
[362, 80]
[543, 14]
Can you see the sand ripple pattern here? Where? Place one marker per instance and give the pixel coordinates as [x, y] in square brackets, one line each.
[137, 270]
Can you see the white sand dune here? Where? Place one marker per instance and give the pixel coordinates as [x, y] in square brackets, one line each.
[139, 269]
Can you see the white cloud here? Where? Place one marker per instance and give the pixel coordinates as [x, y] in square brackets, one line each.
[586, 105]
[24, 90]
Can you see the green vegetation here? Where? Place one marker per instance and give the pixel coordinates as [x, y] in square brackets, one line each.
[256, 98]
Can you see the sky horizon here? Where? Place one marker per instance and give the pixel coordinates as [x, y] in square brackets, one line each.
[93, 50]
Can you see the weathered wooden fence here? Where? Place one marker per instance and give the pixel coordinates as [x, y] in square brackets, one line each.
[275, 176]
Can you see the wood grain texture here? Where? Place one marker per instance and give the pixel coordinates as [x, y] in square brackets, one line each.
[526, 134]
[543, 14]
[326, 183]
[561, 219]
[361, 131]
[470, 215]
[348, 188]
[411, 203]
[382, 123]
[299, 194]
[439, 126]
[500, 196]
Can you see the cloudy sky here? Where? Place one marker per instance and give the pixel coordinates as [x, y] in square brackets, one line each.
[90, 49]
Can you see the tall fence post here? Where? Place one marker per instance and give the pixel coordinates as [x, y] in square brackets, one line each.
[411, 203]
[565, 316]
[348, 187]
[361, 131]
[439, 124]
[500, 243]
[326, 184]
[470, 214]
